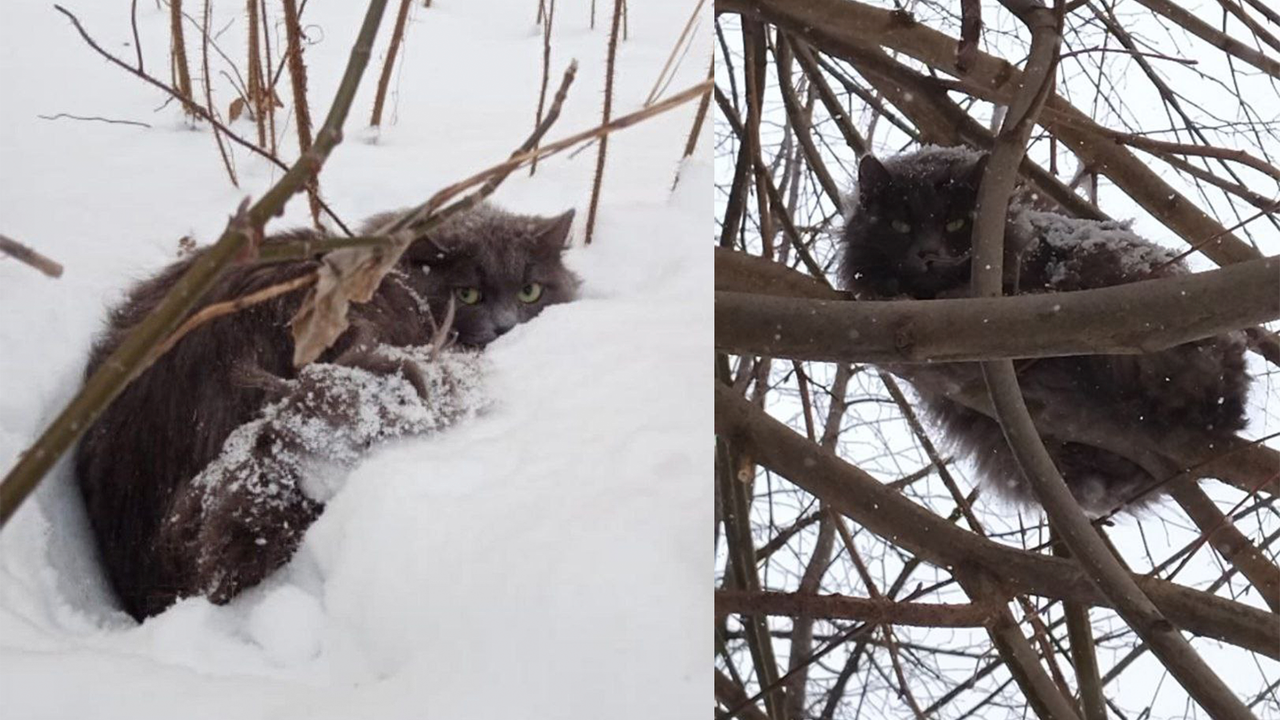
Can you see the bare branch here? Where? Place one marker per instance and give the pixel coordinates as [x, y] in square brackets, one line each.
[24, 254]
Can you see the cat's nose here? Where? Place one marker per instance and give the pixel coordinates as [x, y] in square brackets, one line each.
[503, 320]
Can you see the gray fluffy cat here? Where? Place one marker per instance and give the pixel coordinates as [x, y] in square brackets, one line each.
[908, 235]
[163, 535]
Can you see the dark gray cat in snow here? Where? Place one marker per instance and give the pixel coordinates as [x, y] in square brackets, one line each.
[196, 477]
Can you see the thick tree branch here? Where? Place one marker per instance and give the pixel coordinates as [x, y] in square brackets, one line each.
[872, 610]
[1125, 319]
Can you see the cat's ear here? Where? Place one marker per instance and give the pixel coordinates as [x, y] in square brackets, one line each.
[974, 176]
[553, 235]
[425, 251]
[873, 180]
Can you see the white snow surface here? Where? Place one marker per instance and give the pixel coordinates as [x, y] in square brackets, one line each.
[542, 560]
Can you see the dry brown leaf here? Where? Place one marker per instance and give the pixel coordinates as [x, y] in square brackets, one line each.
[236, 109]
[351, 274]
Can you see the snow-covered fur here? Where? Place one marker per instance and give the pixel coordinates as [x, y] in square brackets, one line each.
[908, 235]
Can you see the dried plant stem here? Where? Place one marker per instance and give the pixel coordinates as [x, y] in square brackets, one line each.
[24, 254]
[133, 23]
[600, 131]
[663, 77]
[208, 94]
[489, 179]
[309, 249]
[269, 91]
[699, 117]
[258, 99]
[608, 108]
[178, 56]
[217, 310]
[243, 230]
[388, 65]
[301, 113]
[546, 14]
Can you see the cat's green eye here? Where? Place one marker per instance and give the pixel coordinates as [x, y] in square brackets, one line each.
[530, 293]
[956, 225]
[468, 295]
[900, 227]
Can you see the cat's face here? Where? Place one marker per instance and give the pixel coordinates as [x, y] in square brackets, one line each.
[498, 268]
[910, 233]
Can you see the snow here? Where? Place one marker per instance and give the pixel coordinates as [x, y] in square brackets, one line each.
[314, 447]
[542, 559]
[1137, 256]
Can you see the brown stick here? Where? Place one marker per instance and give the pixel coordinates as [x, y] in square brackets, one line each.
[659, 83]
[217, 310]
[608, 107]
[178, 56]
[388, 65]
[257, 96]
[301, 113]
[133, 23]
[546, 14]
[269, 97]
[1228, 541]
[208, 94]
[24, 254]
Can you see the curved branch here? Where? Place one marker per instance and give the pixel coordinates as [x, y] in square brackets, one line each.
[1067, 519]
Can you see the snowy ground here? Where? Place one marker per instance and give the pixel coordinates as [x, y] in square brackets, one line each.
[544, 560]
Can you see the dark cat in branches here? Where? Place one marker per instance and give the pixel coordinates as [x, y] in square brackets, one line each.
[163, 538]
[908, 235]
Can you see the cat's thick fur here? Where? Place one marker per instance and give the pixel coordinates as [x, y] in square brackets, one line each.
[908, 235]
[136, 464]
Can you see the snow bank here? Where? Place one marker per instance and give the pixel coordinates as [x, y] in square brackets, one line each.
[542, 560]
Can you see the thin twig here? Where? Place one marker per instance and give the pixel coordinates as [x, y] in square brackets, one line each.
[208, 95]
[217, 310]
[194, 109]
[24, 254]
[96, 118]
[388, 65]
[133, 22]
[608, 107]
